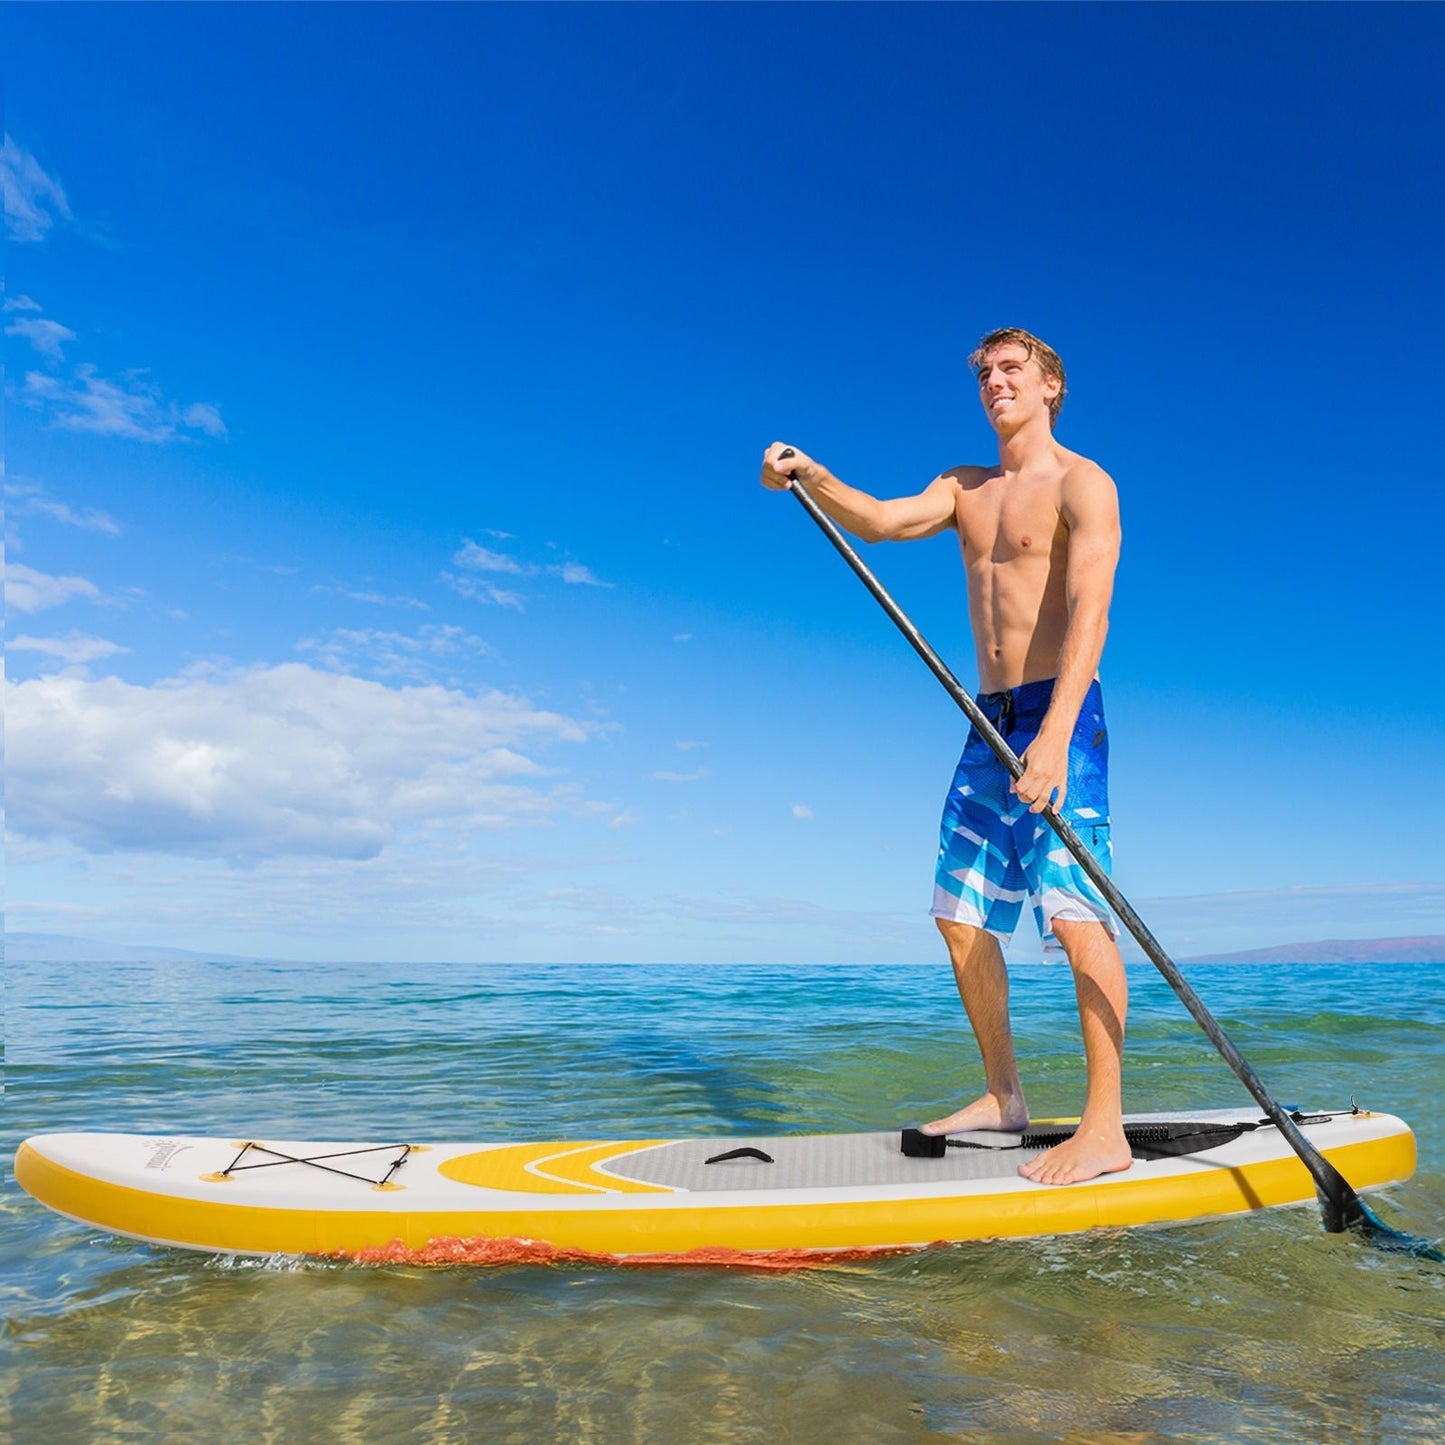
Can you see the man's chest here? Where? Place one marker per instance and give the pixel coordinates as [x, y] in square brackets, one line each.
[1002, 519]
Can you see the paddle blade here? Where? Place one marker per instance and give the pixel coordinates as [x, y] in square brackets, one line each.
[1385, 1236]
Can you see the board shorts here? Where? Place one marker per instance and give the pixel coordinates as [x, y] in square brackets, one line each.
[993, 853]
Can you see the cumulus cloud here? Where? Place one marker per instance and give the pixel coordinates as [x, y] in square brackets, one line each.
[34, 200]
[26, 498]
[272, 761]
[664, 776]
[27, 590]
[129, 406]
[802, 810]
[74, 647]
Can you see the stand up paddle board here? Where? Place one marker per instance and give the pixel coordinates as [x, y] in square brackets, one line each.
[702, 1200]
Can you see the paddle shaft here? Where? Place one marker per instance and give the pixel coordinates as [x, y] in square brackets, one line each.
[1339, 1204]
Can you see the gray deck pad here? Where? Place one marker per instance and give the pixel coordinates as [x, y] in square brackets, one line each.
[842, 1161]
[813, 1161]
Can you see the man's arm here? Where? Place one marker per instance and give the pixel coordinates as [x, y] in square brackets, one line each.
[1090, 508]
[901, 519]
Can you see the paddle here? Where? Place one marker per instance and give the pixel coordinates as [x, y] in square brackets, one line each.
[1340, 1206]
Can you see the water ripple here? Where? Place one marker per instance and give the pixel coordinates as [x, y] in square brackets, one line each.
[1258, 1329]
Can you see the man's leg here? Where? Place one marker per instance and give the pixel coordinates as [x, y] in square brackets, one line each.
[1098, 1145]
[978, 968]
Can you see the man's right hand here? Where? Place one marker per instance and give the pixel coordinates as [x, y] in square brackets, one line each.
[778, 469]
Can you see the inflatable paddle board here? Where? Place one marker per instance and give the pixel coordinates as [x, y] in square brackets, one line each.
[728, 1200]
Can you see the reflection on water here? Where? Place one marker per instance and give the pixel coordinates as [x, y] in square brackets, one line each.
[1260, 1329]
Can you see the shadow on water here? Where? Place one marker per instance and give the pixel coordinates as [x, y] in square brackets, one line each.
[687, 1082]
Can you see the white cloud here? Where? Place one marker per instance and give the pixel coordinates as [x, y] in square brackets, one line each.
[483, 559]
[272, 761]
[480, 591]
[128, 407]
[47, 337]
[378, 599]
[27, 590]
[475, 558]
[802, 810]
[202, 416]
[664, 776]
[686, 745]
[414, 656]
[34, 200]
[30, 499]
[682, 637]
[577, 574]
[74, 647]
[345, 904]
[506, 903]
[625, 819]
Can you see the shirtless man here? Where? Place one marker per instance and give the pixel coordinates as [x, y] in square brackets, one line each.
[1040, 539]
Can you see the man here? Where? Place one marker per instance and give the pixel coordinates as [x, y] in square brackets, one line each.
[1040, 539]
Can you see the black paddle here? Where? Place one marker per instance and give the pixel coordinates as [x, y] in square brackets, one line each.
[1340, 1206]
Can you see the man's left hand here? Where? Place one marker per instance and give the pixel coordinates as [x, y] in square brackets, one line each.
[1045, 777]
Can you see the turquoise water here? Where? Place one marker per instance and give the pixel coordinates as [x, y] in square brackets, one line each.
[1255, 1329]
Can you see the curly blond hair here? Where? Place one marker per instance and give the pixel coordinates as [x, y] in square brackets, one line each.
[1038, 350]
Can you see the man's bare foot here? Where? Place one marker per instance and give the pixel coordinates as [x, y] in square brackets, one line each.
[1007, 1112]
[1085, 1155]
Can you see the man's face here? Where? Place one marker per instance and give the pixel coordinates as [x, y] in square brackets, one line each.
[1012, 386]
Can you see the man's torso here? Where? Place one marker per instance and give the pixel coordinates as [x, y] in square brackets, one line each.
[1015, 554]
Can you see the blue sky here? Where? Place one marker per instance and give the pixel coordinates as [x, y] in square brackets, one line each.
[387, 575]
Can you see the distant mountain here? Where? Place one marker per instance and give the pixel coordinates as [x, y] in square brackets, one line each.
[1429, 948]
[59, 948]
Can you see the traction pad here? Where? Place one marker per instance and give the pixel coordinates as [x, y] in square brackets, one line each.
[1146, 1141]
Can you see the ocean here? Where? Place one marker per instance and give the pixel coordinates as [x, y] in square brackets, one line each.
[1248, 1329]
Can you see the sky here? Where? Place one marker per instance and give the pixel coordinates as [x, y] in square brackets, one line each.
[387, 575]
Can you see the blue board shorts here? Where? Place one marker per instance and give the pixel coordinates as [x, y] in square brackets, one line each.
[993, 853]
